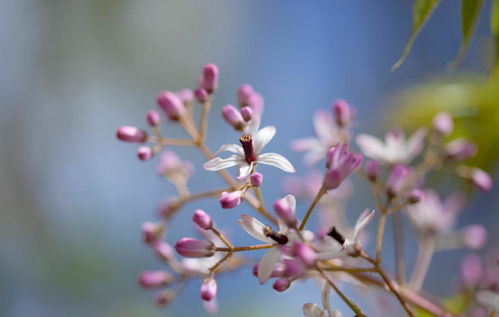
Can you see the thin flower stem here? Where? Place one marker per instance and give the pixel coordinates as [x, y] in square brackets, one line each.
[398, 239]
[222, 260]
[350, 270]
[203, 121]
[206, 194]
[347, 301]
[379, 236]
[423, 260]
[248, 248]
[222, 237]
[178, 142]
[317, 198]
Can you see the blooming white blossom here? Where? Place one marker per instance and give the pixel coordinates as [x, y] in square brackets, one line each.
[335, 245]
[395, 149]
[248, 155]
[265, 234]
[489, 299]
[328, 135]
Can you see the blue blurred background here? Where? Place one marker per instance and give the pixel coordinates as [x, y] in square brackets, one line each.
[73, 198]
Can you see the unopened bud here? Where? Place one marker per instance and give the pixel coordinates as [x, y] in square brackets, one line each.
[475, 236]
[164, 297]
[256, 179]
[192, 248]
[151, 232]
[284, 209]
[201, 95]
[163, 251]
[131, 134]
[209, 78]
[233, 117]
[247, 113]
[153, 279]
[208, 289]
[144, 153]
[372, 170]
[153, 118]
[171, 104]
[459, 150]
[230, 200]
[244, 95]
[442, 123]
[202, 219]
[305, 253]
[281, 284]
[342, 113]
[396, 179]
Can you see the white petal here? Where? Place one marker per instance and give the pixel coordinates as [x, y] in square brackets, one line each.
[262, 137]
[267, 263]
[415, 143]
[371, 147]
[218, 163]
[244, 170]
[292, 202]
[254, 228]
[312, 310]
[489, 299]
[305, 144]
[276, 160]
[324, 127]
[233, 148]
[364, 219]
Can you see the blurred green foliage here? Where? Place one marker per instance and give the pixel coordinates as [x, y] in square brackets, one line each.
[473, 102]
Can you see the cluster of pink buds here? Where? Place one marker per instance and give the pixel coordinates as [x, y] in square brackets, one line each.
[334, 252]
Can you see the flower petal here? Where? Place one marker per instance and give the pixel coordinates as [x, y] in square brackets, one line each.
[244, 170]
[254, 228]
[267, 263]
[276, 160]
[364, 219]
[312, 310]
[305, 144]
[415, 143]
[325, 128]
[233, 148]
[371, 147]
[218, 163]
[489, 299]
[262, 137]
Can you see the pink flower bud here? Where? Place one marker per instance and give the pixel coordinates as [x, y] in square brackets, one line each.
[185, 96]
[278, 270]
[340, 163]
[256, 179]
[415, 196]
[442, 123]
[153, 118]
[131, 134]
[171, 105]
[475, 236]
[163, 251]
[230, 200]
[209, 78]
[192, 248]
[481, 179]
[294, 268]
[305, 253]
[233, 117]
[244, 94]
[208, 289]
[459, 150]
[201, 95]
[153, 279]
[372, 170]
[164, 297]
[281, 284]
[144, 153]
[151, 232]
[284, 210]
[396, 179]
[247, 113]
[202, 219]
[342, 113]
[471, 270]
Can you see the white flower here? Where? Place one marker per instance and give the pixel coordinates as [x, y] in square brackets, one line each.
[489, 299]
[395, 149]
[265, 234]
[312, 310]
[248, 155]
[335, 245]
[317, 147]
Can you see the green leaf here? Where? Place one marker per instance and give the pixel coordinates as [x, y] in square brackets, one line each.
[470, 11]
[421, 12]
[494, 27]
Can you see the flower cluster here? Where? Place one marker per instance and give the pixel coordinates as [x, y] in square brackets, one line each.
[397, 169]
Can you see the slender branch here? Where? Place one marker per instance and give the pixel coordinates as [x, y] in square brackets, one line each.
[398, 239]
[222, 237]
[379, 236]
[423, 260]
[347, 301]
[317, 198]
[222, 260]
[248, 248]
[177, 142]
[203, 121]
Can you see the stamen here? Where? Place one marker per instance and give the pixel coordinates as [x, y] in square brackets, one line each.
[280, 238]
[247, 144]
[336, 236]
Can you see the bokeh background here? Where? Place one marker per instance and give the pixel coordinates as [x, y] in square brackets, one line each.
[72, 198]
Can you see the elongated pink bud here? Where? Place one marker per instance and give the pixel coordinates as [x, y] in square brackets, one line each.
[256, 179]
[305, 253]
[185, 95]
[202, 219]
[163, 251]
[342, 113]
[153, 118]
[233, 117]
[192, 248]
[475, 236]
[171, 104]
[284, 210]
[151, 232]
[281, 284]
[459, 150]
[230, 200]
[247, 113]
[131, 134]
[481, 179]
[471, 270]
[397, 179]
[153, 279]
[372, 170]
[340, 163]
[244, 94]
[208, 289]
[209, 78]
[144, 153]
[442, 123]
[201, 95]
[165, 297]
